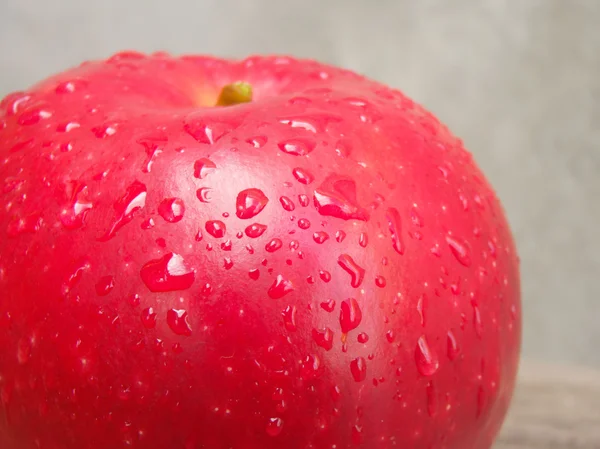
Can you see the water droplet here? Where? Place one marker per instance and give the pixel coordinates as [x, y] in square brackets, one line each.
[255, 230]
[23, 353]
[431, 400]
[477, 321]
[297, 146]
[363, 239]
[73, 216]
[323, 338]
[358, 368]
[311, 367]
[303, 176]
[350, 315]
[273, 245]
[390, 336]
[356, 272]
[336, 197]
[126, 206]
[178, 322]
[226, 245]
[325, 275]
[33, 116]
[203, 167]
[294, 245]
[250, 202]
[340, 236]
[357, 436]
[148, 224]
[328, 305]
[254, 274]
[453, 349]
[149, 318]
[287, 203]
[207, 133]
[380, 281]
[320, 237]
[68, 87]
[303, 223]
[257, 142]
[426, 359]
[460, 250]
[227, 263]
[105, 285]
[216, 228]
[167, 274]
[24, 225]
[204, 194]
[362, 338]
[171, 209]
[304, 200]
[394, 223]
[274, 427]
[104, 131]
[280, 288]
[343, 148]
[289, 318]
[422, 309]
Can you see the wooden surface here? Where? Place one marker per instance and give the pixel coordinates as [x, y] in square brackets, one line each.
[553, 408]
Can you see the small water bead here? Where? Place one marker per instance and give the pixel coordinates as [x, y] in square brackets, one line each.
[105, 285]
[325, 275]
[289, 318]
[303, 223]
[204, 194]
[320, 237]
[254, 274]
[203, 167]
[380, 281]
[303, 176]
[328, 305]
[303, 200]
[323, 338]
[177, 321]
[426, 359]
[280, 288]
[287, 203]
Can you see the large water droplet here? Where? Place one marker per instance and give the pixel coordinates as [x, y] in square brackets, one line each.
[149, 318]
[297, 147]
[171, 209]
[289, 318]
[216, 228]
[350, 315]
[126, 206]
[167, 274]
[311, 367]
[273, 245]
[250, 202]
[460, 250]
[280, 288]
[204, 194]
[105, 285]
[336, 197]
[358, 368]
[356, 272]
[178, 322]
[255, 230]
[203, 167]
[394, 223]
[254, 274]
[287, 203]
[323, 338]
[425, 357]
[274, 427]
[303, 176]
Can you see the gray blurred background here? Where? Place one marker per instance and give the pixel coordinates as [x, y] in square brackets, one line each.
[518, 80]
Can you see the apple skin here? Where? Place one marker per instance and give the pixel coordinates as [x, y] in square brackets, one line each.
[323, 267]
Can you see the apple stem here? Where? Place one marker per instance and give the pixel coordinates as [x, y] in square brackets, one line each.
[235, 93]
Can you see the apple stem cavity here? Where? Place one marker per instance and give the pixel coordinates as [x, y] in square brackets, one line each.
[235, 93]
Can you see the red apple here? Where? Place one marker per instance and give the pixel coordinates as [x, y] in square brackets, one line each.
[260, 254]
